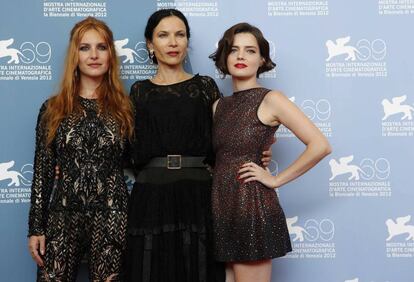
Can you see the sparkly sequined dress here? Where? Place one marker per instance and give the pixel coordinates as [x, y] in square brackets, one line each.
[249, 223]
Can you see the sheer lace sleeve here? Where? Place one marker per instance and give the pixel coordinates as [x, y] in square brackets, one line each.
[43, 179]
[213, 94]
[134, 144]
[213, 89]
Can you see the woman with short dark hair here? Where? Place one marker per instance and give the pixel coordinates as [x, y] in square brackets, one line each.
[249, 223]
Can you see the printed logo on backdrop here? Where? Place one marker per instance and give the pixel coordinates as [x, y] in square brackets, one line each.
[74, 8]
[194, 8]
[395, 7]
[15, 183]
[366, 178]
[312, 239]
[25, 60]
[397, 120]
[400, 240]
[297, 8]
[318, 111]
[135, 61]
[129, 178]
[360, 58]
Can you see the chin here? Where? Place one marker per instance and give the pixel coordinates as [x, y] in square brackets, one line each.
[174, 63]
[94, 75]
[242, 76]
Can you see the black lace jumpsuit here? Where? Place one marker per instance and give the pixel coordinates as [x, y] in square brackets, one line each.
[85, 212]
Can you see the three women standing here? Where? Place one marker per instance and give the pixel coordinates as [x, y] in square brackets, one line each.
[170, 237]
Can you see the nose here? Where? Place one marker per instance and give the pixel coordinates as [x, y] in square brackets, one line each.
[173, 41]
[240, 55]
[94, 53]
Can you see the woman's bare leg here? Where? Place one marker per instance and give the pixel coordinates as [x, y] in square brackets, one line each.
[257, 271]
[229, 273]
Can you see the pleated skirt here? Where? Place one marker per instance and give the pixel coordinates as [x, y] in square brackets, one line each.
[170, 234]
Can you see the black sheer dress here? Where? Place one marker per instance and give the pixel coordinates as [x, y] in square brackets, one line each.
[85, 212]
[169, 218]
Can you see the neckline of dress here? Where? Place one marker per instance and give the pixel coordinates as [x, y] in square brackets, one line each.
[88, 99]
[245, 90]
[176, 83]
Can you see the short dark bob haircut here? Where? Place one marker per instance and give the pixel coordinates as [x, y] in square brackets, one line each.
[158, 16]
[226, 42]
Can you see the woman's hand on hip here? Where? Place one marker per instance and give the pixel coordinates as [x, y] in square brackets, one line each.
[253, 172]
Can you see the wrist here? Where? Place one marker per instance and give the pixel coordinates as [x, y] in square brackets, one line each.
[276, 182]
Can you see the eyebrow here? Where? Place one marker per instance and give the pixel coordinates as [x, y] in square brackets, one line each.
[87, 43]
[244, 46]
[166, 31]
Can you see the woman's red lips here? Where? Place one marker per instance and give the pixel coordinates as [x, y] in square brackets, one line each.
[240, 66]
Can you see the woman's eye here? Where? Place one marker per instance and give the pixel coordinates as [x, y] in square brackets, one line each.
[251, 51]
[102, 47]
[84, 48]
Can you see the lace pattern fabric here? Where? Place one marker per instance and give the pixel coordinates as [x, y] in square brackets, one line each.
[85, 210]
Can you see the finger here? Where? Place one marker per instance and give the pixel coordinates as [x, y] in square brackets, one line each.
[36, 257]
[254, 178]
[42, 246]
[254, 165]
[267, 153]
[266, 164]
[247, 168]
[247, 174]
[266, 159]
[247, 164]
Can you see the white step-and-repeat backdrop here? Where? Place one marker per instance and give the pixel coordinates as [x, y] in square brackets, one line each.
[347, 64]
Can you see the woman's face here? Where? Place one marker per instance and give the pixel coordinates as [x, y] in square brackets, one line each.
[244, 58]
[169, 41]
[93, 54]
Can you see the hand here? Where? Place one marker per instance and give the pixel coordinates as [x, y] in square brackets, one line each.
[57, 172]
[267, 155]
[253, 172]
[37, 248]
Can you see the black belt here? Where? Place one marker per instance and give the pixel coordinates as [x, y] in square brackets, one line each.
[176, 162]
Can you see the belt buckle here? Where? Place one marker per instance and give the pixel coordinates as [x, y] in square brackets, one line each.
[174, 161]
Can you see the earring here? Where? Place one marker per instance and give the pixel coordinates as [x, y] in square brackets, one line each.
[151, 54]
